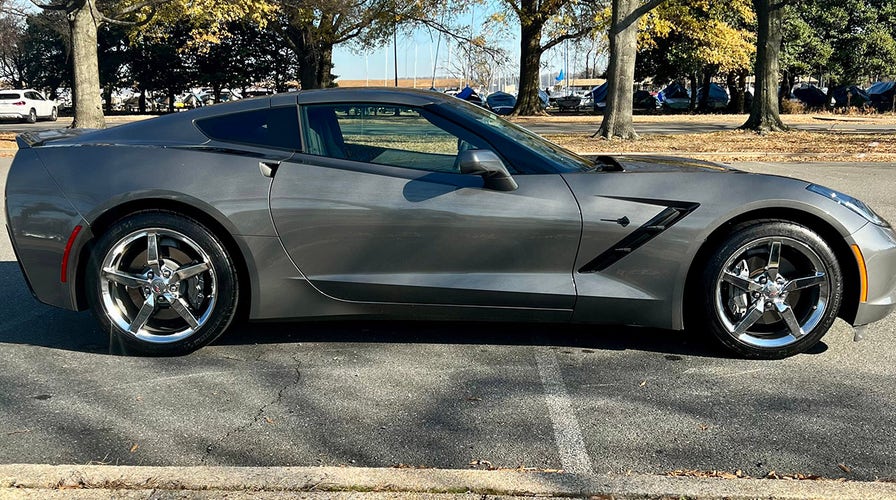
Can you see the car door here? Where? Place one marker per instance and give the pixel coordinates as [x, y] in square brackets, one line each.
[375, 210]
[38, 103]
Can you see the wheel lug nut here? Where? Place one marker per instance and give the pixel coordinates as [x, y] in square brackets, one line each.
[768, 305]
[166, 273]
[146, 290]
[763, 280]
[172, 287]
[756, 295]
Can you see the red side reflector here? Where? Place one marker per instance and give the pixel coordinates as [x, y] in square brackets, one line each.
[68, 250]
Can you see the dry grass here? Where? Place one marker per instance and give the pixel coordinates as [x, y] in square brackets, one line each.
[735, 145]
[7, 144]
[788, 119]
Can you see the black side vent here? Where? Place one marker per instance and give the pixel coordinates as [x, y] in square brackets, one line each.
[650, 230]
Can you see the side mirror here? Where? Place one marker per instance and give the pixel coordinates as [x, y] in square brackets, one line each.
[487, 164]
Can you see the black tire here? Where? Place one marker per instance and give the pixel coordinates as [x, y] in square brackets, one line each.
[32, 116]
[54, 115]
[165, 306]
[759, 310]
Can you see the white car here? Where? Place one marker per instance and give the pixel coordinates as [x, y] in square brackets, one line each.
[27, 105]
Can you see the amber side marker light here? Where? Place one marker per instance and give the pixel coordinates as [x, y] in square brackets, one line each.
[863, 273]
[68, 250]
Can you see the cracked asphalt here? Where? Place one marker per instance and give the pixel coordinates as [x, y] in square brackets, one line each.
[444, 395]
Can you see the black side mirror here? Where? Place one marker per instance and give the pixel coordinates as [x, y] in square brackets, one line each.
[487, 164]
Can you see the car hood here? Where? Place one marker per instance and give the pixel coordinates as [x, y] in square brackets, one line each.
[645, 163]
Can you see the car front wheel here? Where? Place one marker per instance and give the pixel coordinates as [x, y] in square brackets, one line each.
[774, 289]
[54, 115]
[161, 284]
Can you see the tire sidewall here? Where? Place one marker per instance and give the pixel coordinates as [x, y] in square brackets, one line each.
[737, 239]
[225, 272]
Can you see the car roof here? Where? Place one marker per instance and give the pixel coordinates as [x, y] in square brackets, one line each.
[395, 95]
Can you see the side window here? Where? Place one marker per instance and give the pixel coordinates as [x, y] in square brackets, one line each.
[398, 136]
[272, 128]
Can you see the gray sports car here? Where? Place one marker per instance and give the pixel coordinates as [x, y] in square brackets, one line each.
[381, 203]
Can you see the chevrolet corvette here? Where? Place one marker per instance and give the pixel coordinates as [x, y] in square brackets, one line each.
[386, 203]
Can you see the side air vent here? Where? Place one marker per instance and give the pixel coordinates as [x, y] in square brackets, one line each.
[650, 230]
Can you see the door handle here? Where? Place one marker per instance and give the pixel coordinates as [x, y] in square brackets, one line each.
[268, 168]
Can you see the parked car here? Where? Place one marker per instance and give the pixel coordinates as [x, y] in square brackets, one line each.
[300, 206]
[27, 105]
[716, 98]
[850, 96]
[675, 97]
[881, 95]
[501, 103]
[812, 96]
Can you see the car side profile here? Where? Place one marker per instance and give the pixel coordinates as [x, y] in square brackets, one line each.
[387, 203]
[27, 105]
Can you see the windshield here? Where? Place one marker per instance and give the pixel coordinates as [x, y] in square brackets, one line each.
[562, 159]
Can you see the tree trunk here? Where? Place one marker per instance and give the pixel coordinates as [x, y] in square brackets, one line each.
[764, 113]
[703, 96]
[315, 59]
[83, 24]
[623, 36]
[141, 101]
[528, 103]
[692, 80]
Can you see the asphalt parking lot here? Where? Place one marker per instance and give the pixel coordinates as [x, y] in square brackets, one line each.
[582, 398]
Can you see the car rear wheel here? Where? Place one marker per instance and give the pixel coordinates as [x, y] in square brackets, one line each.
[32, 116]
[54, 115]
[162, 284]
[773, 290]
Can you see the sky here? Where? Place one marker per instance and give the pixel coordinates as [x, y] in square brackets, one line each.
[417, 54]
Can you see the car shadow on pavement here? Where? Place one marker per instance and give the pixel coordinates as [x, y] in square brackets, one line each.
[587, 337]
[28, 322]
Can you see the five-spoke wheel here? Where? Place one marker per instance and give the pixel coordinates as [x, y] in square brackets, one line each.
[162, 283]
[775, 289]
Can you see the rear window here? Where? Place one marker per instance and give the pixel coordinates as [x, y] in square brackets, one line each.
[272, 128]
[10, 95]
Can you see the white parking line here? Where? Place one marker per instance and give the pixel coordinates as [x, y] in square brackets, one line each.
[567, 433]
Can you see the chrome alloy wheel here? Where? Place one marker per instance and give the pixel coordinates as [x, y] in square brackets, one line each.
[772, 292]
[157, 285]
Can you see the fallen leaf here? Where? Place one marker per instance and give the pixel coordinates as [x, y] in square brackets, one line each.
[643, 383]
[845, 468]
[134, 448]
[474, 398]
[268, 420]
[477, 463]
[703, 427]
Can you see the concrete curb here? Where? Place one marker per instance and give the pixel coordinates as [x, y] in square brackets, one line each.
[24, 478]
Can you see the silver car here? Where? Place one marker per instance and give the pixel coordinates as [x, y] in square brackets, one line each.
[386, 203]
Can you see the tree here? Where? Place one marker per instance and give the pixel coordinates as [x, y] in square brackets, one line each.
[764, 112]
[12, 53]
[312, 28]
[623, 35]
[85, 17]
[45, 52]
[697, 40]
[158, 63]
[544, 25]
